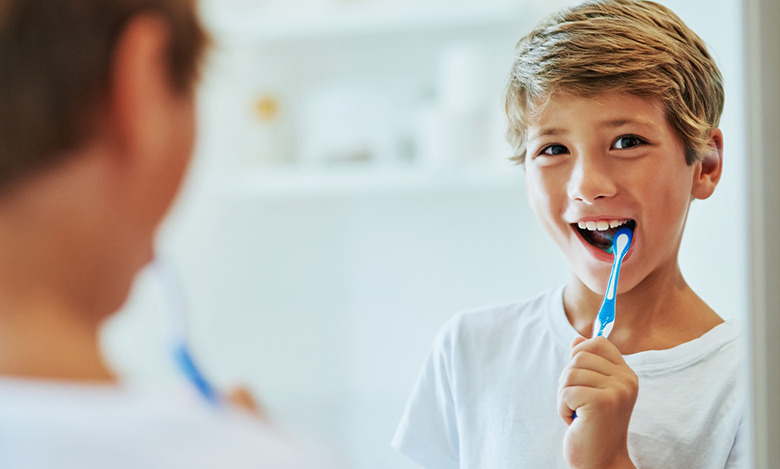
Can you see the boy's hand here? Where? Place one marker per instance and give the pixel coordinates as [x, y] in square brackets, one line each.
[599, 385]
[242, 398]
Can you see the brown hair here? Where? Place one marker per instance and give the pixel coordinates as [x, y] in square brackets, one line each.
[55, 58]
[625, 46]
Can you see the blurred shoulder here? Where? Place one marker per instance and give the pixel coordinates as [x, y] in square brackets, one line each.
[503, 321]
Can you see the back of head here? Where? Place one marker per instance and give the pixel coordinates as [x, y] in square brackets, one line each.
[55, 60]
[620, 46]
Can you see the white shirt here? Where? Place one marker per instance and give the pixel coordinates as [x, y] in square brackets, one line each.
[487, 395]
[75, 426]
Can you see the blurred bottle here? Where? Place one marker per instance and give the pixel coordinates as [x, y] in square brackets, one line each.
[267, 135]
[452, 130]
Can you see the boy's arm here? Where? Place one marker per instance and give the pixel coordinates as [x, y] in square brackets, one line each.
[602, 389]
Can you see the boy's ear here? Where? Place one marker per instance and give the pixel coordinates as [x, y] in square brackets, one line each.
[139, 85]
[709, 167]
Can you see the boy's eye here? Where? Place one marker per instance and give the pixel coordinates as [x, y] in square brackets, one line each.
[552, 150]
[628, 141]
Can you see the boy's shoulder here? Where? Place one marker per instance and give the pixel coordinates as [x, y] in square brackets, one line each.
[720, 348]
[507, 321]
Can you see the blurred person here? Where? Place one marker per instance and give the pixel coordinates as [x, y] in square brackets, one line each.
[97, 124]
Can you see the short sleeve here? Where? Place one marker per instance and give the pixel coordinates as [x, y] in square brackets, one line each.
[739, 452]
[428, 430]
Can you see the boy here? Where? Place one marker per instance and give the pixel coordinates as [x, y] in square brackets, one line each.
[613, 110]
[96, 131]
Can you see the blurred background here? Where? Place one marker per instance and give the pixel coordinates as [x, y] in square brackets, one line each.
[350, 192]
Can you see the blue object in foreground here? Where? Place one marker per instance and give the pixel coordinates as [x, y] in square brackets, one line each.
[605, 320]
[175, 329]
[187, 365]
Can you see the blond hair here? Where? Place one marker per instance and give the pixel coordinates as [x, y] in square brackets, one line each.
[624, 46]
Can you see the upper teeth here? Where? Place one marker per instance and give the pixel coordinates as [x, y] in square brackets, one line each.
[601, 225]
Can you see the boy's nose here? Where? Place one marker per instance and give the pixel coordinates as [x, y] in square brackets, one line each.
[590, 179]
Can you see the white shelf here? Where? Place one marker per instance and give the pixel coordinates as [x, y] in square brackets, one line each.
[292, 183]
[295, 49]
[354, 20]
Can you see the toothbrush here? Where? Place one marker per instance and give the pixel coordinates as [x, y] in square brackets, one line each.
[176, 331]
[605, 319]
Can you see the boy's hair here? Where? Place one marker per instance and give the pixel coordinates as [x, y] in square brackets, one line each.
[623, 46]
[55, 61]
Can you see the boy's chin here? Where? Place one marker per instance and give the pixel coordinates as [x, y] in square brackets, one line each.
[595, 282]
[598, 288]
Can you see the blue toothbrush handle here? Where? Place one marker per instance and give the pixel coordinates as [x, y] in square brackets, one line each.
[604, 322]
[605, 319]
[187, 365]
[175, 328]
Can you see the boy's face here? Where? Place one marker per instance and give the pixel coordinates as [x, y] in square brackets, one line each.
[604, 161]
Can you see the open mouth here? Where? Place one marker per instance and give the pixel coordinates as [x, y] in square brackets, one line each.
[600, 233]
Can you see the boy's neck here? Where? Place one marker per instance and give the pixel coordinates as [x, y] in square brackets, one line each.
[51, 344]
[660, 313]
[57, 267]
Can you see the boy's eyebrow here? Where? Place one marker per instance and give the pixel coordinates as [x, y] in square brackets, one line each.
[612, 123]
[621, 122]
[548, 131]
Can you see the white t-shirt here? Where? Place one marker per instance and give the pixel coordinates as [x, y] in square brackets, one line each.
[75, 426]
[487, 395]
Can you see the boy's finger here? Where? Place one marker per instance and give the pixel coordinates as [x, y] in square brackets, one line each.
[591, 361]
[599, 346]
[581, 377]
[577, 341]
[243, 399]
[566, 408]
[574, 399]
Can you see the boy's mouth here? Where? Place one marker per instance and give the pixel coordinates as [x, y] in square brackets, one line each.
[600, 233]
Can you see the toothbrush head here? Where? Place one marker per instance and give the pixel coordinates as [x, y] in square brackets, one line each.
[621, 241]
